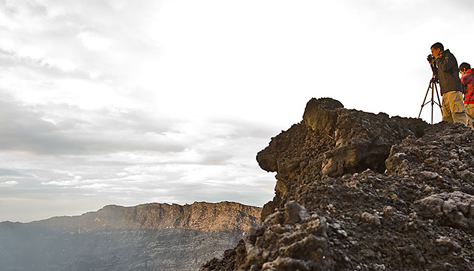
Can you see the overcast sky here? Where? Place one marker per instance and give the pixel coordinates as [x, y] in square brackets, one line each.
[128, 102]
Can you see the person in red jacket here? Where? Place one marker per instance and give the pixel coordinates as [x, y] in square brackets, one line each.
[467, 79]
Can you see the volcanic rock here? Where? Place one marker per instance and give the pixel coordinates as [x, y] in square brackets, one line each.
[363, 191]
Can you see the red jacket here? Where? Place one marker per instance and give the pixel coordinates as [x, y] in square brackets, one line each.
[468, 86]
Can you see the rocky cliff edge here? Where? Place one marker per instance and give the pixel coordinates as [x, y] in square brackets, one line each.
[203, 216]
[363, 191]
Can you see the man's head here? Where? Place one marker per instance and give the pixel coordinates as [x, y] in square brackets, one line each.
[464, 67]
[437, 49]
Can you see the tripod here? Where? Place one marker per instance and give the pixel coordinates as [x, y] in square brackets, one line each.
[433, 87]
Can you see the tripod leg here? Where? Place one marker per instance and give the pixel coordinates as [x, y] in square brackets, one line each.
[432, 100]
[424, 100]
[432, 85]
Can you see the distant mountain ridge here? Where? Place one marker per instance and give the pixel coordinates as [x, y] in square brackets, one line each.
[203, 216]
[145, 237]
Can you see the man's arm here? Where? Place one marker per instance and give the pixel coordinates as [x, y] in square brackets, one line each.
[446, 62]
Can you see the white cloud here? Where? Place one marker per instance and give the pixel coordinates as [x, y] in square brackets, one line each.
[93, 41]
[126, 155]
[8, 183]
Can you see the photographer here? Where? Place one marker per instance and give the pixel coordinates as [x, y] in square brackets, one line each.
[445, 65]
[467, 79]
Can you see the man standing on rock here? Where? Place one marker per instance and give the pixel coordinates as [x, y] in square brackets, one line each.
[448, 75]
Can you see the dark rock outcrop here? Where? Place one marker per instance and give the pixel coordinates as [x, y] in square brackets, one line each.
[362, 191]
[331, 141]
[145, 237]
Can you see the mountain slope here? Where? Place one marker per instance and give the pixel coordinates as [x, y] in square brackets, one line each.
[145, 237]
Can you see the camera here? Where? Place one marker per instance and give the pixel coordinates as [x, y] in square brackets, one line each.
[430, 58]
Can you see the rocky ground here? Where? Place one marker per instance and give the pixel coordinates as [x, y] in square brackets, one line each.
[360, 191]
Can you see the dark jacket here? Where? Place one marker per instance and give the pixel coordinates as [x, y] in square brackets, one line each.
[468, 85]
[448, 73]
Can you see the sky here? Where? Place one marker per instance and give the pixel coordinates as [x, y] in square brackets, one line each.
[130, 102]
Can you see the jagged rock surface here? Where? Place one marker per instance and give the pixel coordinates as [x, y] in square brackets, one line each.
[385, 194]
[145, 237]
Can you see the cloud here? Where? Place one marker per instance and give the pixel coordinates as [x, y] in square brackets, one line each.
[126, 155]
[9, 172]
[96, 40]
[28, 129]
[93, 41]
[61, 129]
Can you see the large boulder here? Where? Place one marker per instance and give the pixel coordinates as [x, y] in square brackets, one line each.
[332, 141]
